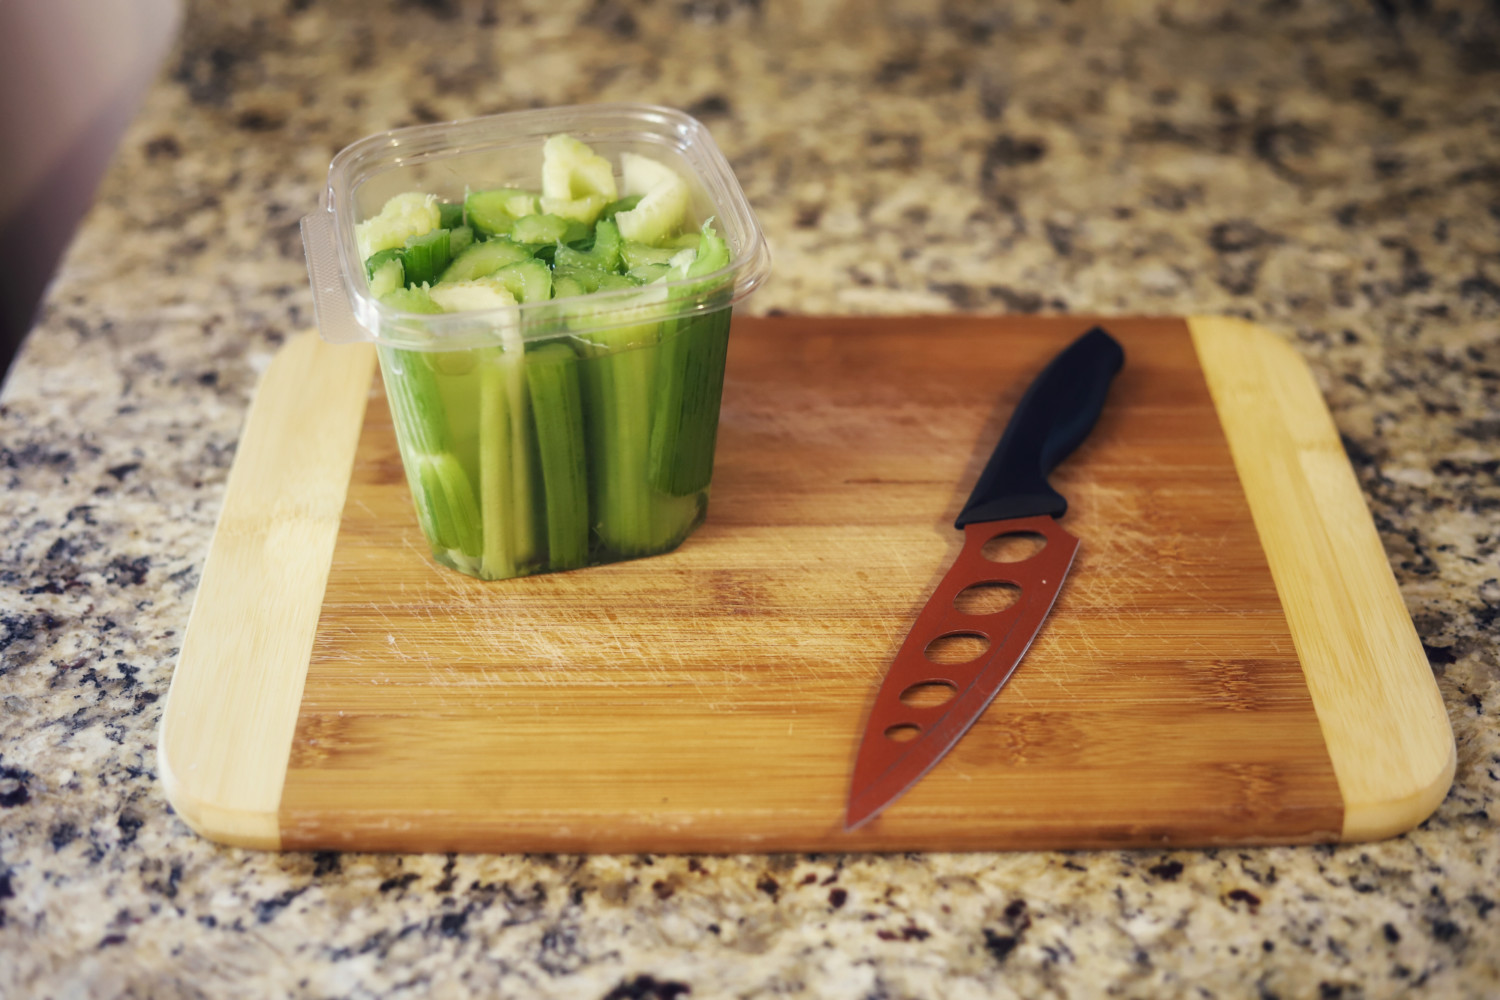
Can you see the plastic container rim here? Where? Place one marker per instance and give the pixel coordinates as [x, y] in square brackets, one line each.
[748, 266]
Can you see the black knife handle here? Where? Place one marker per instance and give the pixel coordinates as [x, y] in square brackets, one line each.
[1059, 409]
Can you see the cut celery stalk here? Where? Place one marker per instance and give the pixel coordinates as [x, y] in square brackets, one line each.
[493, 212]
[424, 257]
[616, 384]
[576, 182]
[635, 254]
[481, 293]
[568, 280]
[496, 471]
[645, 274]
[483, 259]
[441, 490]
[690, 386]
[528, 280]
[661, 210]
[547, 229]
[402, 217]
[414, 300]
[387, 276]
[604, 255]
[557, 414]
[690, 381]
[450, 215]
[460, 238]
[619, 205]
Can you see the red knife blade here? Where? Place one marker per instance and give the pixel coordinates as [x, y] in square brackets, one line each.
[925, 706]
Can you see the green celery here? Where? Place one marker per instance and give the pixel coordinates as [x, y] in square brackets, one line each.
[450, 215]
[441, 490]
[616, 376]
[528, 280]
[387, 276]
[691, 379]
[604, 255]
[624, 204]
[483, 259]
[413, 300]
[460, 238]
[493, 212]
[424, 257]
[635, 254]
[547, 229]
[557, 414]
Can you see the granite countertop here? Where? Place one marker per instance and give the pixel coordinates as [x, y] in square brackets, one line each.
[1327, 169]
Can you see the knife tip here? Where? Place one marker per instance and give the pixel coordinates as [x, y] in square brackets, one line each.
[857, 816]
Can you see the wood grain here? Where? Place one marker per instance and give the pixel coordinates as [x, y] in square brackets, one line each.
[712, 699]
[1383, 719]
[227, 728]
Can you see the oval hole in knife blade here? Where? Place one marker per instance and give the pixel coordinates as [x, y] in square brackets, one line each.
[1013, 546]
[957, 647]
[988, 598]
[929, 694]
[903, 732]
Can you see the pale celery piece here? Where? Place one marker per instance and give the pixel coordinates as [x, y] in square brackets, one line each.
[586, 447]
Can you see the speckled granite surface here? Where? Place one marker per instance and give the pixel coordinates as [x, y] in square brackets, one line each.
[1329, 169]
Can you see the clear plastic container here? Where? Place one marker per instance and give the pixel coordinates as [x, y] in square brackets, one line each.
[553, 434]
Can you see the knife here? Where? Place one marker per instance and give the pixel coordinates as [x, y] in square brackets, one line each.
[924, 707]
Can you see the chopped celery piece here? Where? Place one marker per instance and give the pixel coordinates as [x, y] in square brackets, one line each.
[609, 282]
[557, 413]
[492, 212]
[713, 252]
[425, 256]
[528, 280]
[483, 259]
[619, 205]
[661, 211]
[565, 286]
[635, 254]
[569, 281]
[450, 215]
[404, 216]
[460, 238]
[414, 300]
[481, 293]
[644, 274]
[546, 229]
[687, 241]
[576, 182]
[603, 256]
[641, 175]
[377, 259]
[387, 276]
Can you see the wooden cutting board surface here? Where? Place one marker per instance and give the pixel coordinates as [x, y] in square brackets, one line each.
[1229, 661]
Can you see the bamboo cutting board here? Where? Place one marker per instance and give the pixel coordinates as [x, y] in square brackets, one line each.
[1229, 662]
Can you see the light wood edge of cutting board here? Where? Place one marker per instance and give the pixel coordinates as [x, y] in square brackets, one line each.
[226, 733]
[1382, 716]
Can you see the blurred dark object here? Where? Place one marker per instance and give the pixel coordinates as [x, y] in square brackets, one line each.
[81, 69]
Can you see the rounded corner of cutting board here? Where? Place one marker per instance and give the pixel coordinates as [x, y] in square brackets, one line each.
[218, 818]
[227, 728]
[1383, 719]
[1378, 819]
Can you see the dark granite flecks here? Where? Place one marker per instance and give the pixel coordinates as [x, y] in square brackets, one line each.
[1329, 169]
